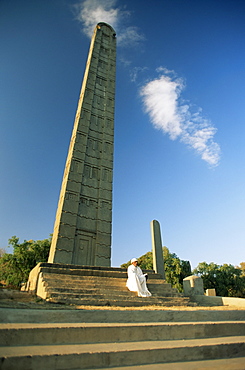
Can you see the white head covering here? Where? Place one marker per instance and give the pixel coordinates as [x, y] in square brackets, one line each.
[134, 260]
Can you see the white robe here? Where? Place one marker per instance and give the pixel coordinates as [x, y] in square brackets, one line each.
[137, 282]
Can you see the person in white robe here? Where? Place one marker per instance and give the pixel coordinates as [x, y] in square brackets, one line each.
[137, 280]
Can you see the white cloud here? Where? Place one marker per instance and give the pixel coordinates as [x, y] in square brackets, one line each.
[160, 99]
[178, 119]
[130, 36]
[165, 71]
[135, 72]
[161, 96]
[91, 12]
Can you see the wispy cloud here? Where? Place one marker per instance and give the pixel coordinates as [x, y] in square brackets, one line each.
[134, 73]
[178, 118]
[129, 36]
[91, 12]
[161, 96]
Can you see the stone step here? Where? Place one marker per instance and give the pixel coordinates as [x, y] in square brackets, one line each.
[81, 283]
[46, 280]
[93, 271]
[74, 278]
[236, 363]
[103, 293]
[117, 282]
[162, 289]
[71, 279]
[82, 333]
[88, 271]
[15, 315]
[92, 291]
[67, 294]
[110, 285]
[90, 285]
[120, 301]
[105, 355]
[93, 288]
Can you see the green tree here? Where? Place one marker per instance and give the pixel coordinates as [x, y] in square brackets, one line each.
[227, 280]
[2, 252]
[242, 267]
[15, 268]
[175, 268]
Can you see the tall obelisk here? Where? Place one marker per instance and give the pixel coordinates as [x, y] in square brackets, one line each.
[82, 230]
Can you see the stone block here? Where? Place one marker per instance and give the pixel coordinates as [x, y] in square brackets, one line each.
[64, 255]
[78, 154]
[103, 251]
[103, 239]
[89, 192]
[68, 218]
[67, 230]
[210, 292]
[104, 227]
[64, 244]
[73, 186]
[193, 285]
[86, 223]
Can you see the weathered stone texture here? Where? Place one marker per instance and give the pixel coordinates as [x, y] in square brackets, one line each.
[82, 231]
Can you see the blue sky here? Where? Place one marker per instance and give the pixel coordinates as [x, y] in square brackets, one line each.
[179, 121]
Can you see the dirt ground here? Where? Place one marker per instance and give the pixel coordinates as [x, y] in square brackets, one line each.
[18, 299]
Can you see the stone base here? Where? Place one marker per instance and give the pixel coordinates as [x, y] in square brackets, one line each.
[209, 301]
[99, 286]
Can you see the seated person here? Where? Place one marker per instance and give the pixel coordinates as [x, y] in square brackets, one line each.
[137, 280]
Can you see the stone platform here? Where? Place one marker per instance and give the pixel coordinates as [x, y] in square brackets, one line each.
[112, 339]
[98, 286]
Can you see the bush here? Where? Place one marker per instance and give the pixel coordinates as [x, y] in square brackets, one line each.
[15, 268]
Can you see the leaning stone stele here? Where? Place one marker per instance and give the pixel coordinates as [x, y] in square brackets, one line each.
[82, 230]
[157, 253]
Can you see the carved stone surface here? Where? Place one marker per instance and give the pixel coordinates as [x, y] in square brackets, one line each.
[82, 230]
